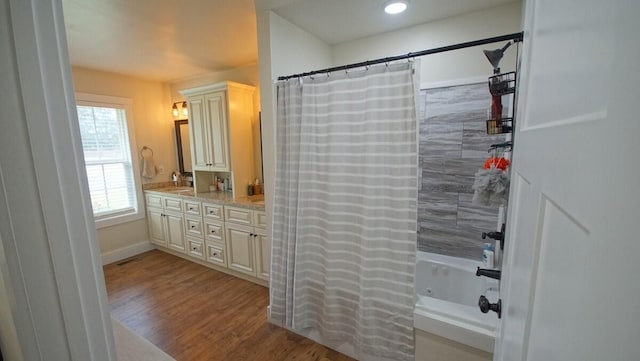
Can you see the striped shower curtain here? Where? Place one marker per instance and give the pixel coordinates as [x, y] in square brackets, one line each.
[344, 229]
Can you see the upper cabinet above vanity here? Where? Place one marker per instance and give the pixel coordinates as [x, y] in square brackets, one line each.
[220, 126]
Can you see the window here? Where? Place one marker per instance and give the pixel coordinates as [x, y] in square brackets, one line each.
[108, 143]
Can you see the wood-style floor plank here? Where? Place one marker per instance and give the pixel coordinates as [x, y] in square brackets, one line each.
[195, 313]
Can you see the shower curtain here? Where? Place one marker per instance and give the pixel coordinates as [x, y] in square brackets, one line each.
[344, 228]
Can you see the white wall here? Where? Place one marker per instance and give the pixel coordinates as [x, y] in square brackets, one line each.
[437, 68]
[283, 49]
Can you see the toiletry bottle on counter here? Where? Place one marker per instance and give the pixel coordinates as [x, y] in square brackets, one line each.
[487, 256]
[249, 189]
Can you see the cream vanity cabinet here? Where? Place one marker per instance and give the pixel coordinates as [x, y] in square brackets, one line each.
[166, 222]
[221, 117]
[248, 248]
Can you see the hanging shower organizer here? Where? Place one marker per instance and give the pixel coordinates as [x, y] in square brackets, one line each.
[499, 86]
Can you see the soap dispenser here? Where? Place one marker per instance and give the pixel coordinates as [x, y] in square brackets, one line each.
[487, 257]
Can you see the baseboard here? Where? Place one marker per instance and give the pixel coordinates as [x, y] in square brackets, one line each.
[126, 252]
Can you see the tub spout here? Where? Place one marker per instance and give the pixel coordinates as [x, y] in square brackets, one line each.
[491, 273]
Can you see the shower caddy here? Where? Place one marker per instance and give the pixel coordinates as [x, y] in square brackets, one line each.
[499, 86]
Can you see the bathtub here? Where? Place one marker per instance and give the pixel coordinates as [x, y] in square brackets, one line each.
[447, 292]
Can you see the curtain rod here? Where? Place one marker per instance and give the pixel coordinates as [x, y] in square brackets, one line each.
[516, 37]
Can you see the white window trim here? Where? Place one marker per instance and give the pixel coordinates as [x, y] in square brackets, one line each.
[126, 103]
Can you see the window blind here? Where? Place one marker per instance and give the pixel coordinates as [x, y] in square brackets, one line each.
[105, 143]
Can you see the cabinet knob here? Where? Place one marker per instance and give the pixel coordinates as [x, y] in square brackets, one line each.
[192, 227]
[213, 231]
[215, 254]
[190, 208]
[255, 235]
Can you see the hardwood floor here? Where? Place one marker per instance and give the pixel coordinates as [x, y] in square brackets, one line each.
[195, 313]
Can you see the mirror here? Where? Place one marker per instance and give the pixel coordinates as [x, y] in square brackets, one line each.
[184, 147]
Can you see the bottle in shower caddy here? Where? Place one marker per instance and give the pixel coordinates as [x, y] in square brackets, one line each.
[487, 256]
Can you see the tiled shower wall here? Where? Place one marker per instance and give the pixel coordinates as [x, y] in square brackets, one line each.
[453, 146]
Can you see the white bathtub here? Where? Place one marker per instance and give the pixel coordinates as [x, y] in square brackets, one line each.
[447, 292]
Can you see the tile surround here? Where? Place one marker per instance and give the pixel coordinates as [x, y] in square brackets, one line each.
[453, 146]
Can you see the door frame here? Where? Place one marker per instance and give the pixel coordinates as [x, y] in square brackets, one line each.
[51, 265]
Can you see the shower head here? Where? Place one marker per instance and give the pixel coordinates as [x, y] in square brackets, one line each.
[494, 57]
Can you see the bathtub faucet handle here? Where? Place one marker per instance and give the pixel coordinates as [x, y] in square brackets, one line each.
[486, 306]
[491, 273]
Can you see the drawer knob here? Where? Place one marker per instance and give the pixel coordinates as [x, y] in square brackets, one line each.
[193, 226]
[190, 208]
[213, 231]
[215, 254]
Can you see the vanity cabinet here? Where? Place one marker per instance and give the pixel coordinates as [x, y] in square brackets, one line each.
[227, 237]
[166, 222]
[248, 247]
[221, 118]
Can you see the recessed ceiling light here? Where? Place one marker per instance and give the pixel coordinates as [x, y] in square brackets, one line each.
[395, 7]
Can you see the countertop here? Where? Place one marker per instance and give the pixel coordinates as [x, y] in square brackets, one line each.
[225, 198]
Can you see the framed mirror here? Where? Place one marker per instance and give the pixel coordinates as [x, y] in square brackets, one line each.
[184, 147]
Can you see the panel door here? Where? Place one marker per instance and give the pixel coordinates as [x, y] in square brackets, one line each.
[155, 219]
[199, 132]
[217, 117]
[569, 288]
[263, 254]
[175, 232]
[240, 248]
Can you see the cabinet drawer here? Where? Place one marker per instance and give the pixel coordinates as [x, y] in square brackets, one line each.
[193, 226]
[216, 254]
[260, 219]
[154, 201]
[214, 231]
[242, 216]
[195, 248]
[213, 211]
[192, 208]
[173, 204]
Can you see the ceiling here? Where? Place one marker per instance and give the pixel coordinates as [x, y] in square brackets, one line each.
[161, 39]
[338, 21]
[175, 39]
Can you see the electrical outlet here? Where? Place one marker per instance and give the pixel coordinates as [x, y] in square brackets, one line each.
[161, 169]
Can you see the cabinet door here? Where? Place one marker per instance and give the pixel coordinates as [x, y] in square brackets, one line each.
[217, 117]
[175, 232]
[240, 248]
[263, 254]
[155, 218]
[199, 133]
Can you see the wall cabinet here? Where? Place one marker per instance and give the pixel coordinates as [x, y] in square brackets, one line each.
[221, 117]
[208, 131]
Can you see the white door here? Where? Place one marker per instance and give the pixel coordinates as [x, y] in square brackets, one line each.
[217, 118]
[263, 254]
[156, 226]
[175, 232]
[569, 288]
[199, 131]
[240, 248]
